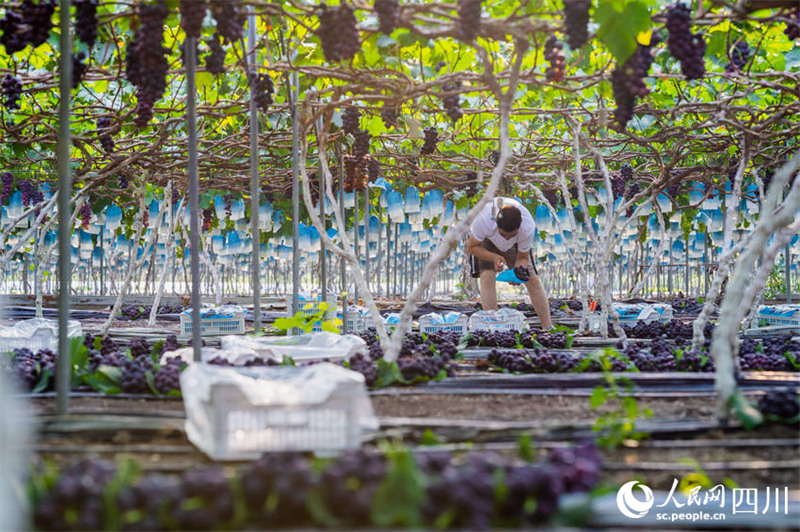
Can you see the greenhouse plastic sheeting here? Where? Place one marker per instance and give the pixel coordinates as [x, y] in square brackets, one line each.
[35, 334]
[303, 347]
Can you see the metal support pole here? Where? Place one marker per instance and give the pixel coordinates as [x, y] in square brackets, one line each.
[194, 192]
[294, 90]
[388, 256]
[380, 258]
[705, 261]
[394, 267]
[686, 271]
[323, 270]
[255, 192]
[787, 254]
[64, 214]
[355, 239]
[366, 236]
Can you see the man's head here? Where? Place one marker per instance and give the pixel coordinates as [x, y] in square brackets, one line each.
[508, 221]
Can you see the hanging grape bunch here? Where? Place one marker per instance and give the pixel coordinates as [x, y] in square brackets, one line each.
[792, 30]
[12, 90]
[373, 169]
[388, 15]
[26, 188]
[576, 19]
[313, 186]
[215, 60]
[228, 199]
[208, 218]
[361, 143]
[7, 179]
[86, 21]
[230, 19]
[740, 54]
[389, 115]
[86, 214]
[673, 189]
[192, 14]
[147, 63]
[78, 69]
[431, 139]
[354, 174]
[494, 157]
[262, 87]
[551, 195]
[103, 127]
[469, 183]
[351, 120]
[630, 193]
[618, 186]
[176, 195]
[122, 181]
[555, 56]
[469, 19]
[627, 82]
[338, 32]
[31, 25]
[684, 46]
[452, 103]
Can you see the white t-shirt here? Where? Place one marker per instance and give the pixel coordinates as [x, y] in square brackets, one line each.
[484, 226]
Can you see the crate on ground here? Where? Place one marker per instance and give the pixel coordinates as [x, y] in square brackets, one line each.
[780, 314]
[357, 320]
[215, 321]
[240, 413]
[310, 305]
[392, 320]
[449, 322]
[505, 319]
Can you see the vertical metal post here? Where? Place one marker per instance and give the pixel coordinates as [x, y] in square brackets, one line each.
[64, 214]
[396, 252]
[342, 262]
[355, 239]
[255, 191]
[669, 270]
[787, 254]
[705, 261]
[686, 271]
[378, 265]
[366, 236]
[294, 90]
[323, 270]
[194, 192]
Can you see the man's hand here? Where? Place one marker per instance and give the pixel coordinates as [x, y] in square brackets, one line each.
[499, 263]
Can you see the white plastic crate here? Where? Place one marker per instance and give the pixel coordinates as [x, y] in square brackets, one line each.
[357, 320]
[240, 413]
[631, 314]
[214, 325]
[780, 314]
[502, 320]
[450, 322]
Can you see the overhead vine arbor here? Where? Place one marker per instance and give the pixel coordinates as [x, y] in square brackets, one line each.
[615, 102]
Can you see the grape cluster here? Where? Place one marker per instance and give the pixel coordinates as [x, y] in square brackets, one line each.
[287, 480]
[630, 193]
[168, 376]
[351, 120]
[684, 46]
[686, 306]
[30, 26]
[103, 127]
[618, 186]
[7, 179]
[423, 364]
[134, 377]
[522, 273]
[86, 214]
[215, 60]
[192, 14]
[30, 368]
[78, 493]
[147, 62]
[673, 190]
[373, 169]
[78, 69]
[86, 21]
[553, 54]
[627, 82]
[206, 499]
[389, 115]
[141, 504]
[792, 30]
[261, 88]
[576, 19]
[769, 355]
[782, 403]
[230, 19]
[338, 32]
[695, 361]
[355, 173]
[469, 19]
[470, 183]
[388, 15]
[365, 366]
[26, 188]
[349, 484]
[138, 347]
[361, 143]
[660, 357]
[452, 103]
[551, 340]
[740, 54]
[431, 139]
[12, 90]
[208, 218]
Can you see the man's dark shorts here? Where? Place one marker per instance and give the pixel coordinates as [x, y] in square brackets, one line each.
[510, 257]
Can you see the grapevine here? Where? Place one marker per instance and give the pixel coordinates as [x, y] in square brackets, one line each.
[469, 19]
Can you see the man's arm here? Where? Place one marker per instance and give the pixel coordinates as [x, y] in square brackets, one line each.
[475, 249]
